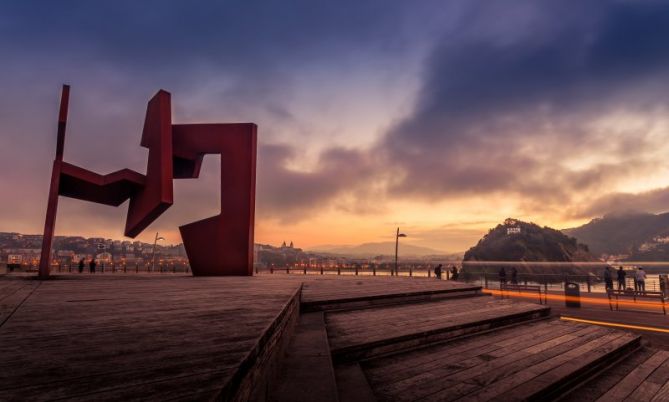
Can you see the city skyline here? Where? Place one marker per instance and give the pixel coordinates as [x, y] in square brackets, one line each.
[441, 118]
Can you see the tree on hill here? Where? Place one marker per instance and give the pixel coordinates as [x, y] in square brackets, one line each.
[515, 240]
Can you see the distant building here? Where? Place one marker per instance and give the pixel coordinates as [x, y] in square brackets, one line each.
[513, 230]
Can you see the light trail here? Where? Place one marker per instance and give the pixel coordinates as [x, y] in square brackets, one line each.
[615, 324]
[582, 299]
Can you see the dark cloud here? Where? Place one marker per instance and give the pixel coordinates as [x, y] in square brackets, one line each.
[507, 106]
[510, 100]
[293, 195]
[654, 201]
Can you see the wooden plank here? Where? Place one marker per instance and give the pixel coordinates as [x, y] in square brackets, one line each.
[403, 363]
[521, 379]
[356, 327]
[633, 380]
[482, 369]
[663, 394]
[489, 374]
[452, 359]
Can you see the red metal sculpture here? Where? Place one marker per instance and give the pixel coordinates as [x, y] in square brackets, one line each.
[220, 245]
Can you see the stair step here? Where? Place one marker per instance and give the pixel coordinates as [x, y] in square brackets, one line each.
[306, 372]
[358, 334]
[360, 293]
[535, 361]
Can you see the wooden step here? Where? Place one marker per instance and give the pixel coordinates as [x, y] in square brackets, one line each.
[649, 381]
[306, 372]
[347, 293]
[361, 334]
[535, 361]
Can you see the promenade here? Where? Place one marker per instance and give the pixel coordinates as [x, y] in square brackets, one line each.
[301, 338]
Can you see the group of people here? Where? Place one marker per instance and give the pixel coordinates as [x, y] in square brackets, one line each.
[438, 270]
[502, 276]
[639, 277]
[91, 265]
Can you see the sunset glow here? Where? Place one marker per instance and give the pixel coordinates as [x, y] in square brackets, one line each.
[443, 119]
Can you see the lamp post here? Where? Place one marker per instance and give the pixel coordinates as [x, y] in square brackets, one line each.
[153, 253]
[397, 242]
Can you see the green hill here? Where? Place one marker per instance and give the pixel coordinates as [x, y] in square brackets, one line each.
[515, 240]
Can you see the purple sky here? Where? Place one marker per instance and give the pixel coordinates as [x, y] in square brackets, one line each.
[444, 117]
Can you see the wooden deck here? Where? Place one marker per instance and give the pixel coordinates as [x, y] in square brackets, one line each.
[157, 337]
[512, 364]
[363, 333]
[646, 382]
[115, 337]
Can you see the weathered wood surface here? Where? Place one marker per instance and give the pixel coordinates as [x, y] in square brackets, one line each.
[648, 381]
[116, 337]
[510, 364]
[328, 288]
[352, 330]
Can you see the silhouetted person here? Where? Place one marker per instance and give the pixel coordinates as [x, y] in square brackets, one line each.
[621, 278]
[641, 280]
[91, 265]
[81, 265]
[514, 276]
[454, 273]
[608, 279]
[502, 276]
[437, 271]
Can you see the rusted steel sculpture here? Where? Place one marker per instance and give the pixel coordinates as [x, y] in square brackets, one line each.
[220, 245]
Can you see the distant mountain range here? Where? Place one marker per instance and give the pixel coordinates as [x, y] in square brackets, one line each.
[633, 235]
[377, 249]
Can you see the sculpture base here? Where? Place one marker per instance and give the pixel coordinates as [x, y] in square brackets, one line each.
[214, 251]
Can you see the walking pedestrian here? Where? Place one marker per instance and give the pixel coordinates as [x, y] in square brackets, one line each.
[91, 265]
[81, 265]
[514, 276]
[621, 278]
[454, 273]
[502, 276]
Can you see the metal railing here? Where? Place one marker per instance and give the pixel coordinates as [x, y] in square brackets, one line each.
[101, 268]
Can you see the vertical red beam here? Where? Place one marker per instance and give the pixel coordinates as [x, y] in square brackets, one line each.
[52, 204]
[222, 244]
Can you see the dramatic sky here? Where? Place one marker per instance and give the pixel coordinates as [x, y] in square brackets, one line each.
[441, 117]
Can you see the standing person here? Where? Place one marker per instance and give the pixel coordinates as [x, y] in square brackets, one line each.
[608, 279]
[641, 280]
[437, 271]
[91, 265]
[454, 273]
[514, 276]
[621, 278]
[81, 265]
[502, 276]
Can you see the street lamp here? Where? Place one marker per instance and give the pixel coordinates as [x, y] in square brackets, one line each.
[153, 254]
[397, 242]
